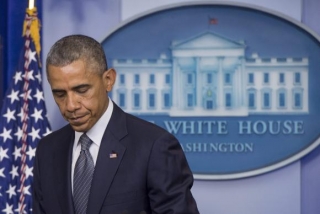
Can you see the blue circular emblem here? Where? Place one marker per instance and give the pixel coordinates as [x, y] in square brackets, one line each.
[238, 86]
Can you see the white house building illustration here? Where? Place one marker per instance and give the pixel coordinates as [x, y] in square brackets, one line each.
[210, 75]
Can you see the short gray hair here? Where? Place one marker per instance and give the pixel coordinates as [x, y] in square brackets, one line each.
[78, 47]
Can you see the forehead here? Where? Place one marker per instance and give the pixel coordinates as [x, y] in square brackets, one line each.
[72, 74]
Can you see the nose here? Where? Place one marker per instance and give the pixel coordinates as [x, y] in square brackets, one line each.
[73, 103]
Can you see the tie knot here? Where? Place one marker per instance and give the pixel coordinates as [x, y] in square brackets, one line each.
[85, 142]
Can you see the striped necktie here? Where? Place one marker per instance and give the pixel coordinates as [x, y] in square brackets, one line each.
[83, 173]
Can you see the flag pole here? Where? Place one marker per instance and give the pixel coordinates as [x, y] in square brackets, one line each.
[31, 16]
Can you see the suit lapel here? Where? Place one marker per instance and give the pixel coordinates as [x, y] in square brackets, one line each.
[62, 164]
[109, 158]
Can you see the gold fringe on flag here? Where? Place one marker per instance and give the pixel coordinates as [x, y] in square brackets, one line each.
[34, 29]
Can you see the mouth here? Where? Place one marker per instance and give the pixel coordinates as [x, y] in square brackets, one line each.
[77, 121]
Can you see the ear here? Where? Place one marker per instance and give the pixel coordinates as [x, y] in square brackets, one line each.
[109, 78]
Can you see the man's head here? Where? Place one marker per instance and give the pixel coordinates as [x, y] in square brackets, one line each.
[77, 47]
[79, 79]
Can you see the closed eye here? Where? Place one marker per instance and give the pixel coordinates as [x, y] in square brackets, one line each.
[58, 93]
[81, 88]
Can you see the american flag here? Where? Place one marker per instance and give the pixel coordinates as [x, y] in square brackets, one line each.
[23, 123]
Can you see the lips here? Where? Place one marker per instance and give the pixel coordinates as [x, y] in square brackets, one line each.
[76, 121]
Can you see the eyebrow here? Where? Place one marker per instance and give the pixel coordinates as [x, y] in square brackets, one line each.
[80, 86]
[73, 88]
[57, 90]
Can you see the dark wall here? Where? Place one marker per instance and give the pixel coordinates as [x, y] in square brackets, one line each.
[11, 41]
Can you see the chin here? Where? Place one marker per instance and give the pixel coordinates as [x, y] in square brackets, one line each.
[80, 128]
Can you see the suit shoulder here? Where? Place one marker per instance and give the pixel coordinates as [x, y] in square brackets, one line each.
[56, 136]
[143, 125]
[59, 133]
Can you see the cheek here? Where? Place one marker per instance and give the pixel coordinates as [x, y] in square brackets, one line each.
[95, 102]
[90, 104]
[60, 105]
[62, 109]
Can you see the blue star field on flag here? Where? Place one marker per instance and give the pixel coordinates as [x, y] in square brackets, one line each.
[15, 195]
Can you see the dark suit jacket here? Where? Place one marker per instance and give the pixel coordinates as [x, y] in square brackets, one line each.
[149, 175]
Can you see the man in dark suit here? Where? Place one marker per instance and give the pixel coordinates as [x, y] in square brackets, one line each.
[122, 164]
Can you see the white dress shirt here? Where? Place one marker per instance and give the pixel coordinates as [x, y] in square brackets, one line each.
[95, 134]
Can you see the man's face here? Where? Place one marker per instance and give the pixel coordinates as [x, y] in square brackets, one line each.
[80, 94]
